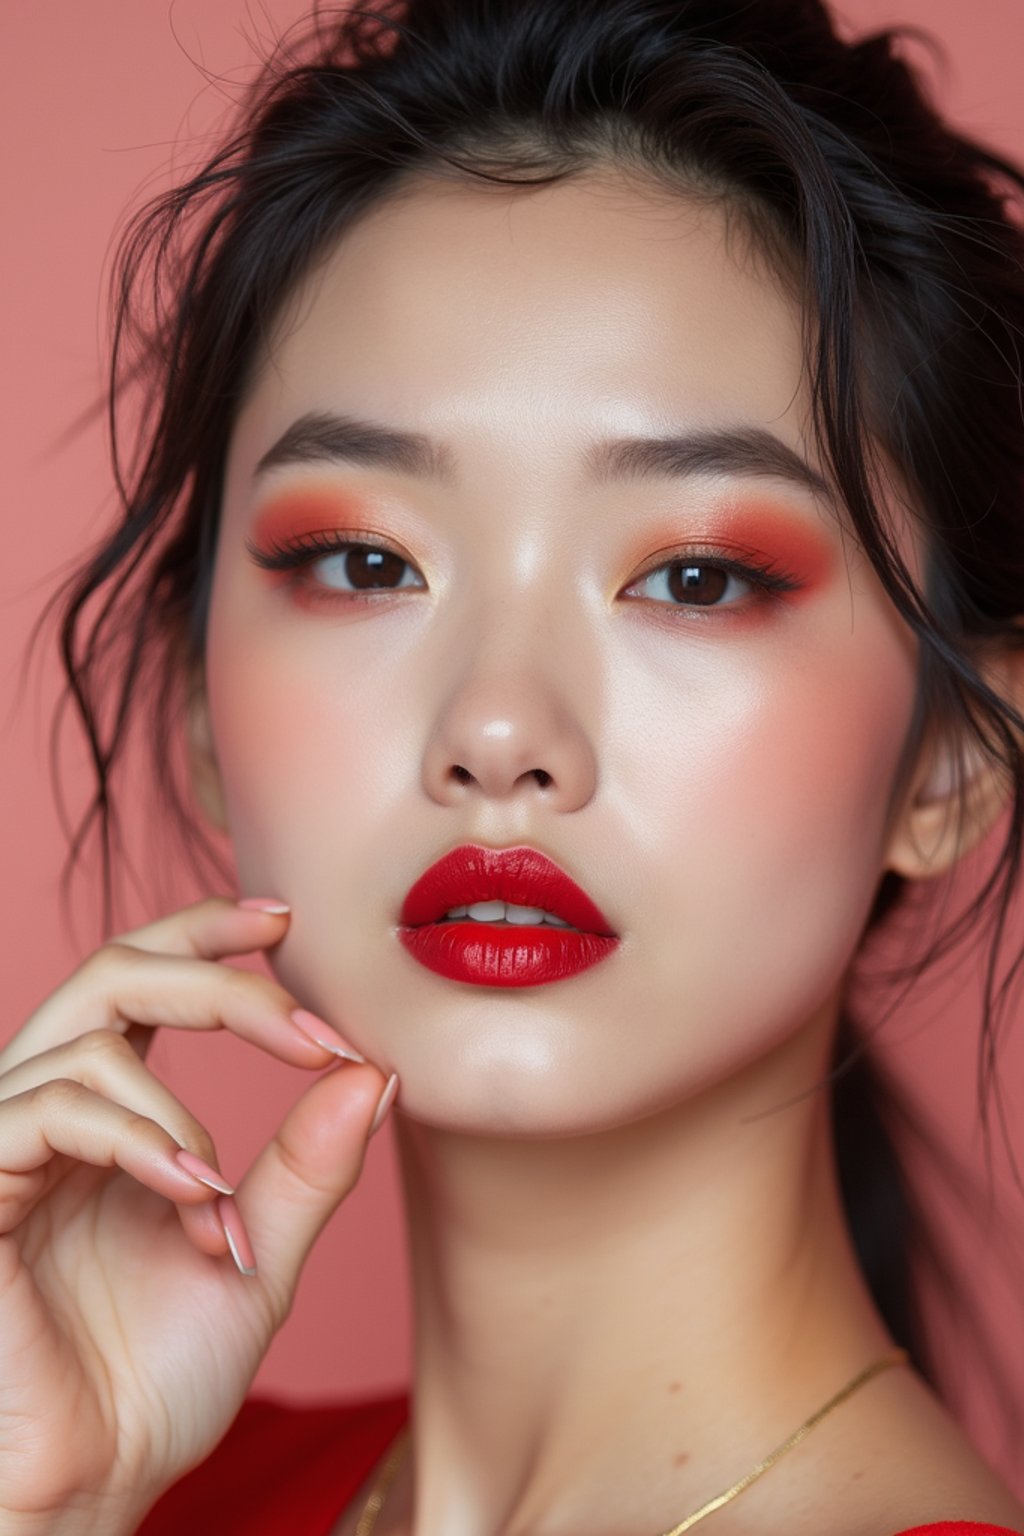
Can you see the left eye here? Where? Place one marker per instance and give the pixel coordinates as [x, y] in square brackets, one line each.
[696, 583]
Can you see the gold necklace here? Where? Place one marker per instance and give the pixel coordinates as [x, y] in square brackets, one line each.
[374, 1504]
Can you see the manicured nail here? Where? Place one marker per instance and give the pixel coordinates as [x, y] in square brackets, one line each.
[203, 1172]
[237, 1236]
[387, 1098]
[324, 1035]
[263, 904]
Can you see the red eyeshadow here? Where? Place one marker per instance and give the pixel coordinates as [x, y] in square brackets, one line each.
[307, 511]
[762, 529]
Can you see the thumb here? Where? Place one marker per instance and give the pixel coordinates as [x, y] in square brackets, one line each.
[303, 1174]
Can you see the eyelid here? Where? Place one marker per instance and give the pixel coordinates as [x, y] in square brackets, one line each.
[761, 571]
[317, 543]
[706, 549]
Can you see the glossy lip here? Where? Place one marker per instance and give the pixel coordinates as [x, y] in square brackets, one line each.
[522, 875]
[502, 955]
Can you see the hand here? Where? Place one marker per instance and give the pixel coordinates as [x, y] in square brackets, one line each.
[128, 1336]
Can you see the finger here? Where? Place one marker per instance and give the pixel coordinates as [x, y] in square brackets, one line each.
[304, 1173]
[120, 987]
[204, 1228]
[206, 930]
[210, 929]
[64, 1117]
[105, 1063]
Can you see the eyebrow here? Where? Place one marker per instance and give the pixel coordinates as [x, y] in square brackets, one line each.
[745, 450]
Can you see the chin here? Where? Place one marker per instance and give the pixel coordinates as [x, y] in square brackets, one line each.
[501, 1097]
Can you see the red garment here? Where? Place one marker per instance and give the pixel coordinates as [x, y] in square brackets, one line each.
[280, 1471]
[284, 1471]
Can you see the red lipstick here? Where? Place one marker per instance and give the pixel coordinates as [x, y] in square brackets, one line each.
[498, 954]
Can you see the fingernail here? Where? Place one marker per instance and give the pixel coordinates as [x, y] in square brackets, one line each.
[263, 904]
[387, 1098]
[324, 1035]
[237, 1236]
[203, 1172]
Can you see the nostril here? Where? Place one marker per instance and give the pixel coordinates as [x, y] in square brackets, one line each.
[463, 775]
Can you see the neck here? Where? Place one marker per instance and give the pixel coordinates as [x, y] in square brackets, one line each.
[624, 1314]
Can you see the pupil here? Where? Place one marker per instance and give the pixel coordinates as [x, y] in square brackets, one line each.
[697, 581]
[373, 567]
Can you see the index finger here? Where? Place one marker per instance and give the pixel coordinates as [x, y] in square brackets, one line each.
[207, 929]
[211, 928]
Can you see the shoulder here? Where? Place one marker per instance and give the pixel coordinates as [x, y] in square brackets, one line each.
[281, 1467]
[908, 1468]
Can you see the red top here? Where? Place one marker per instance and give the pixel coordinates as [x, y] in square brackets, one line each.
[284, 1471]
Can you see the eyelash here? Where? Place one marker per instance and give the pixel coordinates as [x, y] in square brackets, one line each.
[295, 555]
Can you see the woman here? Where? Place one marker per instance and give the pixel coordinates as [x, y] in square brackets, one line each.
[579, 518]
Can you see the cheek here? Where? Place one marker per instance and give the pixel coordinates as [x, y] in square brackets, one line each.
[772, 807]
[309, 759]
[305, 740]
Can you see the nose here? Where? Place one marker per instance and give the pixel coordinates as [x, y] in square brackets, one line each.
[510, 732]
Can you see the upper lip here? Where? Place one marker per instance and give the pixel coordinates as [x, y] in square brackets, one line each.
[521, 875]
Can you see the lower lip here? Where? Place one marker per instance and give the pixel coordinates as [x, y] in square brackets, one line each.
[489, 956]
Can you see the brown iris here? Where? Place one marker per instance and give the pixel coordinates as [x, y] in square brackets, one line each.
[703, 583]
[369, 568]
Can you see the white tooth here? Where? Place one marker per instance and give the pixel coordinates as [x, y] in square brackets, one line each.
[524, 914]
[507, 911]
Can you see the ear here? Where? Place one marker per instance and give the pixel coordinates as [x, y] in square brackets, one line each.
[204, 772]
[938, 824]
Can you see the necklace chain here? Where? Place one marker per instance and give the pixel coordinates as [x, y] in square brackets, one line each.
[373, 1505]
[375, 1502]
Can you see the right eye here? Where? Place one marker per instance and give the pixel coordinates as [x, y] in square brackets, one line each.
[345, 567]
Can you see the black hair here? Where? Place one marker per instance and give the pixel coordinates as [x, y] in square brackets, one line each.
[901, 233]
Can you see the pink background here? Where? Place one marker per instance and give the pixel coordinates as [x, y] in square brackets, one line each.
[97, 100]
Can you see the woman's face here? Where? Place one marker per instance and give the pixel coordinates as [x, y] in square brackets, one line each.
[717, 758]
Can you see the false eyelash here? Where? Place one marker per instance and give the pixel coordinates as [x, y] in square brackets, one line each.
[772, 578]
[279, 556]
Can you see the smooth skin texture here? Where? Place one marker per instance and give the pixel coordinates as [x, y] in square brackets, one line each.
[631, 1273]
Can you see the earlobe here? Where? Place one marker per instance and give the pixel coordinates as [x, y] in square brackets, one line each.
[943, 820]
[204, 771]
[939, 824]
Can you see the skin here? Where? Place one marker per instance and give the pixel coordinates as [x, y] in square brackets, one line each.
[631, 1273]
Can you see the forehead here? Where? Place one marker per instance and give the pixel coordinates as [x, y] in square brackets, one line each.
[587, 304]
[520, 325]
